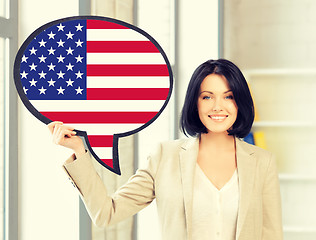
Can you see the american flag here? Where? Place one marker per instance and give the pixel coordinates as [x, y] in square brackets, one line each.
[97, 75]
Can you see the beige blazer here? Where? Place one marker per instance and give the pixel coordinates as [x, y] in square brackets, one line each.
[169, 176]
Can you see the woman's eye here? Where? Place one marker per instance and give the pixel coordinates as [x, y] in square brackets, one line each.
[229, 97]
[206, 97]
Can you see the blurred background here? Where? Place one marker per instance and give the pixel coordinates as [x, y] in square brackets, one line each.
[272, 41]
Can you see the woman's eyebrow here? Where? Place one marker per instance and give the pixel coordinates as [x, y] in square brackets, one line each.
[206, 92]
[228, 91]
[213, 93]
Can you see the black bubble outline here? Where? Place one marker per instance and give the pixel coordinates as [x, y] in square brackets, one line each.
[42, 118]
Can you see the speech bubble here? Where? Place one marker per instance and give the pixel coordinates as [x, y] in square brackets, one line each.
[106, 78]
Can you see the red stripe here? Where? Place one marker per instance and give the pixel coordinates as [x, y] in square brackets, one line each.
[127, 93]
[127, 70]
[100, 117]
[99, 24]
[108, 162]
[121, 47]
[100, 140]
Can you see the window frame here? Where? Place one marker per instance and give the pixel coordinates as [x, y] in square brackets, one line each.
[85, 230]
[9, 31]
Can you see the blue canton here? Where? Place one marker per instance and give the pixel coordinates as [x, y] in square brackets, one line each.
[53, 66]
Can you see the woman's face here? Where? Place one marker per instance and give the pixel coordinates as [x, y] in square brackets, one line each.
[216, 105]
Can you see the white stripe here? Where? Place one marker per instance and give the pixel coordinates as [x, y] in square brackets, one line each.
[105, 129]
[103, 152]
[114, 35]
[98, 105]
[125, 58]
[128, 82]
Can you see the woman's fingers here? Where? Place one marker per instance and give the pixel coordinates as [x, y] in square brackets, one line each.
[52, 125]
[65, 135]
[60, 132]
[57, 134]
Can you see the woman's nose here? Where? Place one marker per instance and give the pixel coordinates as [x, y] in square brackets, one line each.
[217, 106]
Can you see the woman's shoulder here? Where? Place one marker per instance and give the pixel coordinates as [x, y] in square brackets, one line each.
[178, 144]
[263, 157]
[253, 149]
[173, 147]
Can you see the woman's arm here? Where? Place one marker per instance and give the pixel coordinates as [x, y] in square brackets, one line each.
[104, 210]
[136, 194]
[272, 214]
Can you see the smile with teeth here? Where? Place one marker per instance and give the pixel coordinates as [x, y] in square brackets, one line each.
[218, 117]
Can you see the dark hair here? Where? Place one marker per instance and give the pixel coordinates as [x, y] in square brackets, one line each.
[190, 121]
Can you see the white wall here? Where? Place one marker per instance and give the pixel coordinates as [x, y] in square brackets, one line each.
[48, 204]
[270, 34]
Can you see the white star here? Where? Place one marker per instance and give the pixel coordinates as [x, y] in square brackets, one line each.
[79, 43]
[51, 35]
[23, 75]
[69, 51]
[69, 67]
[79, 90]
[33, 82]
[33, 67]
[51, 67]
[25, 90]
[42, 43]
[79, 74]
[79, 58]
[51, 51]
[60, 43]
[42, 58]
[42, 90]
[79, 27]
[60, 90]
[60, 27]
[33, 51]
[60, 58]
[69, 82]
[51, 82]
[42, 74]
[60, 74]
[24, 59]
[69, 35]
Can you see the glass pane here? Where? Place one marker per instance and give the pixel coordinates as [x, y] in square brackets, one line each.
[2, 132]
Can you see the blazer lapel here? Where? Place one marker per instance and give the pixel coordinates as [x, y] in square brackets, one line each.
[188, 156]
[246, 172]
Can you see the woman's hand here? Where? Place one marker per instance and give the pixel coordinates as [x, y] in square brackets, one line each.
[64, 135]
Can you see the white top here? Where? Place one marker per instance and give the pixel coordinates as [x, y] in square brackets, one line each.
[215, 212]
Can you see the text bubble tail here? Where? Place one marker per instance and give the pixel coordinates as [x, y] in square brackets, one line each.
[104, 149]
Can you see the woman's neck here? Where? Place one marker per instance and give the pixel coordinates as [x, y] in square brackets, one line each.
[219, 141]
